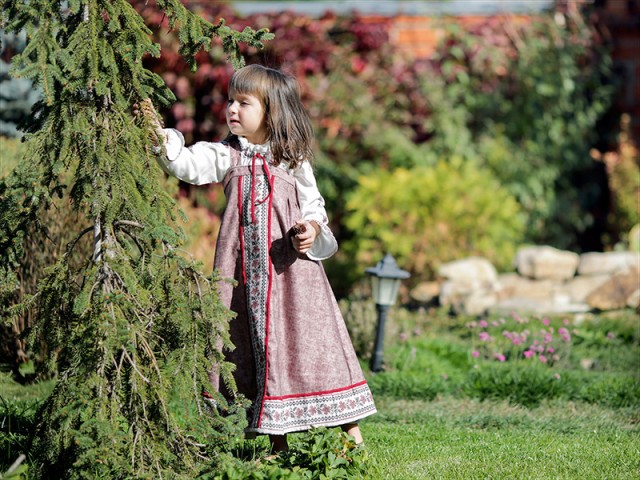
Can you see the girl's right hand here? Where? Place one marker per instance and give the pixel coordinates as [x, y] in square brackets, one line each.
[305, 234]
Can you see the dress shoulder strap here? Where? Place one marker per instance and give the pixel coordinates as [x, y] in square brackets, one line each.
[234, 149]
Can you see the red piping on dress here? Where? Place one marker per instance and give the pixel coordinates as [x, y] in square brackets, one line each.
[326, 392]
[268, 312]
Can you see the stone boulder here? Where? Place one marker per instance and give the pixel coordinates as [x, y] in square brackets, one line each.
[514, 285]
[467, 299]
[597, 263]
[579, 287]
[537, 306]
[620, 291]
[545, 262]
[474, 269]
[470, 286]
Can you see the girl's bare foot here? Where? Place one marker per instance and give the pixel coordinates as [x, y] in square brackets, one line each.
[354, 430]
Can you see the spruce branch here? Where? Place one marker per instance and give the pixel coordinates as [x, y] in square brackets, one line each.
[196, 34]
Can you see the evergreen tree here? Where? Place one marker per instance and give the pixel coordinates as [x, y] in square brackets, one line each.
[133, 327]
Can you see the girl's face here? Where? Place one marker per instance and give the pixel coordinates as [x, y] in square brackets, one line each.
[245, 118]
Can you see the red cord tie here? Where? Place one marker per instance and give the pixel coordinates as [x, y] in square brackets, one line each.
[265, 167]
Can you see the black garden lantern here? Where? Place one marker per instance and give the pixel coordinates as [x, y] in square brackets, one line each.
[385, 283]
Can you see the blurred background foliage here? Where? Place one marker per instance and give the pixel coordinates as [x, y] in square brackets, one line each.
[504, 136]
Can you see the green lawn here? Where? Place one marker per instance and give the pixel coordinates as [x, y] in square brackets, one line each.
[559, 419]
[466, 439]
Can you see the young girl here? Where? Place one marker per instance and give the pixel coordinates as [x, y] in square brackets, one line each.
[294, 357]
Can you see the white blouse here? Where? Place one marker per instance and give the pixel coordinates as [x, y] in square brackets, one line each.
[208, 162]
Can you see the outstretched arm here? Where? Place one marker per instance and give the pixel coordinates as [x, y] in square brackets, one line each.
[199, 164]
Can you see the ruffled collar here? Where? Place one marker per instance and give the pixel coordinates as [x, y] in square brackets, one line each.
[252, 149]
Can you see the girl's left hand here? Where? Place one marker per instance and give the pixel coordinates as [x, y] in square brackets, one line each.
[308, 231]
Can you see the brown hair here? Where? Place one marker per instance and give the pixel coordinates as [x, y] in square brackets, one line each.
[289, 129]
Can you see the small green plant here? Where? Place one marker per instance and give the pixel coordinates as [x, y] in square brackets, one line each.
[327, 453]
[321, 453]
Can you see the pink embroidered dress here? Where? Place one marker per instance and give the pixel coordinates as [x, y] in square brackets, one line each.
[294, 357]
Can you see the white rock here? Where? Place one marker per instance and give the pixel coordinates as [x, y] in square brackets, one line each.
[545, 262]
[578, 288]
[472, 268]
[633, 300]
[594, 263]
[466, 298]
[514, 285]
[538, 307]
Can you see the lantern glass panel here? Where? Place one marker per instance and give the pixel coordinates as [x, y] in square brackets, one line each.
[385, 290]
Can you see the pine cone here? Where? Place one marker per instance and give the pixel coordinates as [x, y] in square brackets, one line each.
[299, 228]
[150, 114]
[151, 120]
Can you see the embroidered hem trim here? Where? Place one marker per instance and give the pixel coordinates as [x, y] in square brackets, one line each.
[297, 413]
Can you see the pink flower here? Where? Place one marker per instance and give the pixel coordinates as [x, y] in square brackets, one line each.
[548, 338]
[500, 357]
[475, 354]
[529, 353]
[557, 376]
[564, 334]
[611, 335]
[483, 323]
[485, 337]
[543, 359]
[550, 350]
[545, 322]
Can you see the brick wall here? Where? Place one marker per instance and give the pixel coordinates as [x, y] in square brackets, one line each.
[419, 36]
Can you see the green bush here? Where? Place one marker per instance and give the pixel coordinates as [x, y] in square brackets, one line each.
[523, 384]
[606, 389]
[426, 216]
[401, 384]
[528, 104]
[529, 385]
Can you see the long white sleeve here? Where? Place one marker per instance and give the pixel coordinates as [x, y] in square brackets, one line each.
[199, 164]
[312, 208]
